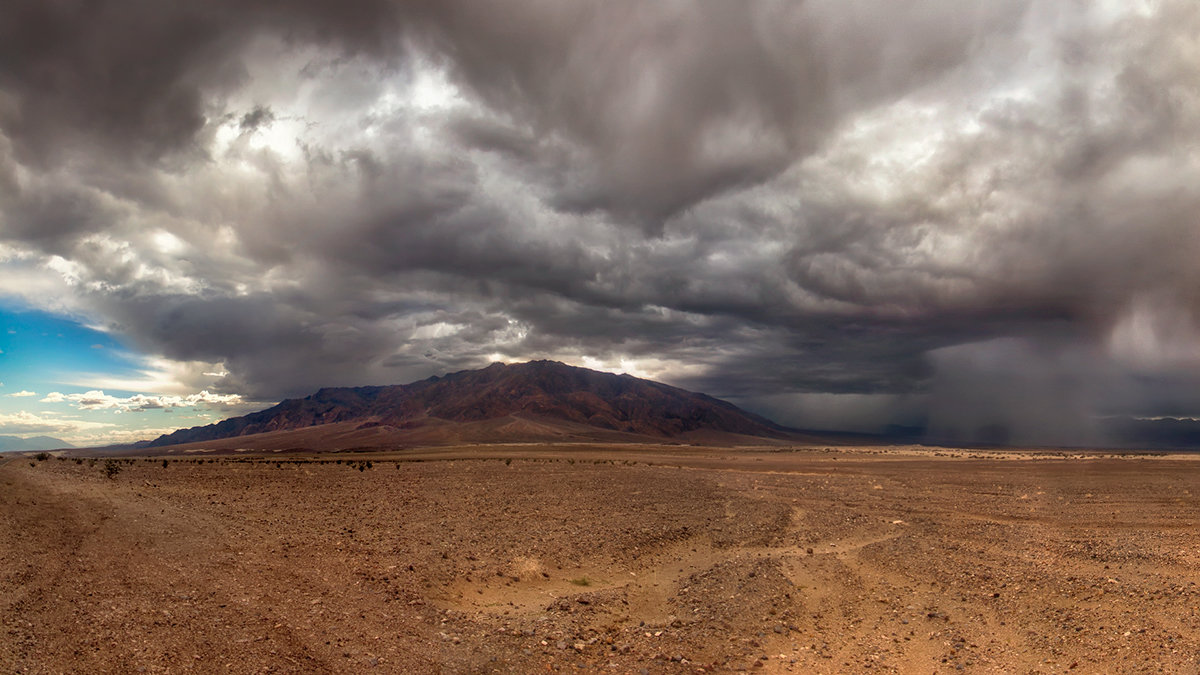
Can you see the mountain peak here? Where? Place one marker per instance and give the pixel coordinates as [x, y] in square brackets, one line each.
[535, 400]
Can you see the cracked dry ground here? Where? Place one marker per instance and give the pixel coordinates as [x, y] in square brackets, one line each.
[564, 561]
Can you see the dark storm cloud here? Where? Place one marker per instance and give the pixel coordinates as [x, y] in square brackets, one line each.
[256, 118]
[673, 103]
[832, 204]
[132, 78]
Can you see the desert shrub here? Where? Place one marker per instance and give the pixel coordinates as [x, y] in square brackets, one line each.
[370, 465]
[508, 461]
[164, 463]
[42, 456]
[582, 581]
[112, 467]
[79, 460]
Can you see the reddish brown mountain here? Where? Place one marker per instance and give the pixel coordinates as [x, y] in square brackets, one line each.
[539, 400]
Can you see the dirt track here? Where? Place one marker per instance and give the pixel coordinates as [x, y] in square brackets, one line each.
[594, 560]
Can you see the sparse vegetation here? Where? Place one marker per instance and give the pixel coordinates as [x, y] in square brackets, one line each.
[165, 463]
[581, 581]
[42, 456]
[112, 467]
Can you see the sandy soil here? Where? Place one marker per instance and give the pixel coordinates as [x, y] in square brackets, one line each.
[615, 560]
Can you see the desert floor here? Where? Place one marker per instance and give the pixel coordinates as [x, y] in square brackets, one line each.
[527, 559]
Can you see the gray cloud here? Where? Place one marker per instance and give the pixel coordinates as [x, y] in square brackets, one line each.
[839, 206]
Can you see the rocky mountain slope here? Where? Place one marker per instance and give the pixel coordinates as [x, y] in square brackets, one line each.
[527, 400]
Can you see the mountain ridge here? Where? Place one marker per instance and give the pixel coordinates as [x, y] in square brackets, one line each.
[18, 444]
[558, 399]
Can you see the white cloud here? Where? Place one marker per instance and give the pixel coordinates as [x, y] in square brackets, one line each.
[158, 374]
[98, 400]
[23, 394]
[78, 432]
[28, 423]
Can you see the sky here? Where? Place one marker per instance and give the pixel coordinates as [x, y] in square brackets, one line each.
[974, 217]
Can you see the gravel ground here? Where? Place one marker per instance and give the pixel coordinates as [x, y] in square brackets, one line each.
[615, 560]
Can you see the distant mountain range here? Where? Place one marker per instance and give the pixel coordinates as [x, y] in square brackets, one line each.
[17, 444]
[526, 402]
